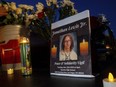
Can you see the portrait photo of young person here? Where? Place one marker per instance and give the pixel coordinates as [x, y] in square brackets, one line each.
[68, 47]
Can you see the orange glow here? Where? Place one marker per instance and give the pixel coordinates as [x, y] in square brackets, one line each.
[84, 47]
[54, 51]
[107, 47]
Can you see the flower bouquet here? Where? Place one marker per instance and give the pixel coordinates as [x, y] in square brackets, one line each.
[37, 20]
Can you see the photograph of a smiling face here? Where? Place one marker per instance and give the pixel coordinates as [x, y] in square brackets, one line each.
[68, 46]
[67, 43]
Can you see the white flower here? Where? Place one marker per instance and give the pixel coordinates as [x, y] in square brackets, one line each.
[39, 7]
[18, 11]
[16, 16]
[48, 2]
[30, 7]
[6, 7]
[13, 5]
[31, 16]
[54, 1]
[74, 11]
[68, 2]
[23, 6]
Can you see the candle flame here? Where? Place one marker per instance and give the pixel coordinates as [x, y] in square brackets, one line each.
[110, 77]
[107, 46]
[83, 40]
[24, 40]
[53, 46]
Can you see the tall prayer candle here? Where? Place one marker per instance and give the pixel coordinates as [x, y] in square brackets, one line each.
[25, 56]
[84, 48]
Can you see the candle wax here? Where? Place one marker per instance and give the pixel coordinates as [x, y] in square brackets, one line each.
[107, 83]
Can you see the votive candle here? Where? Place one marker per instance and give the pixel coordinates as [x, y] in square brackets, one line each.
[10, 71]
[110, 81]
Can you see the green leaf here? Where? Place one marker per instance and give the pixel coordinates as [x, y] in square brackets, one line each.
[8, 16]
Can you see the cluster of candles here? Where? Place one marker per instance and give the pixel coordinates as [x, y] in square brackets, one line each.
[83, 49]
[110, 81]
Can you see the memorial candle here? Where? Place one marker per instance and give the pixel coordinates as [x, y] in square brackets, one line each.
[25, 56]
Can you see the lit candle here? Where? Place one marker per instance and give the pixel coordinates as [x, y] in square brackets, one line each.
[84, 48]
[10, 71]
[110, 81]
[54, 51]
[107, 47]
[25, 56]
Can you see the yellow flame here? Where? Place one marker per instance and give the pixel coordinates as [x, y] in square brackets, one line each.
[24, 40]
[110, 77]
[83, 40]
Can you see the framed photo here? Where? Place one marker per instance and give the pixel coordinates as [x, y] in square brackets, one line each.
[71, 48]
